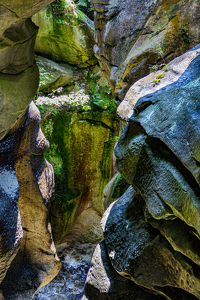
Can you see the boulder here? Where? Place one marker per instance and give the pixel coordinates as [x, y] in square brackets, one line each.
[104, 283]
[36, 262]
[139, 252]
[128, 35]
[64, 39]
[81, 146]
[152, 231]
[53, 75]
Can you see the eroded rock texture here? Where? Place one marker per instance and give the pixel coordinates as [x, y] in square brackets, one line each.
[17, 34]
[127, 34]
[27, 181]
[152, 232]
[18, 73]
[27, 254]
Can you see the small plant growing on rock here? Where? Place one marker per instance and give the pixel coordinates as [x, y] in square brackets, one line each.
[159, 67]
[159, 49]
[158, 78]
[166, 68]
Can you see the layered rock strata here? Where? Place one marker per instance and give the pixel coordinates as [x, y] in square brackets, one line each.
[129, 33]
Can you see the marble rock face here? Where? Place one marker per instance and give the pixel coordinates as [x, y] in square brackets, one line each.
[152, 231]
[128, 34]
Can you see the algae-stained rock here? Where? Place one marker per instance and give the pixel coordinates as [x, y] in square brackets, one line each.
[53, 75]
[153, 235]
[127, 34]
[16, 92]
[66, 39]
[36, 262]
[17, 50]
[17, 34]
[81, 146]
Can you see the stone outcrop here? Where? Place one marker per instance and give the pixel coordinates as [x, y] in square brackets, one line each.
[54, 75]
[15, 98]
[17, 34]
[127, 34]
[17, 67]
[104, 283]
[152, 232]
[32, 179]
[28, 257]
[64, 39]
[10, 217]
[81, 146]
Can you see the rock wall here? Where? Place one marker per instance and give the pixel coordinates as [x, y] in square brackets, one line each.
[64, 39]
[152, 233]
[81, 146]
[32, 184]
[127, 34]
[28, 256]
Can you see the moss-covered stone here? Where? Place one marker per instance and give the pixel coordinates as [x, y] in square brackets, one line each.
[53, 75]
[17, 34]
[81, 146]
[66, 39]
[16, 92]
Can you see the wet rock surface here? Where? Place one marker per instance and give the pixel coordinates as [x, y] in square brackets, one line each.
[81, 154]
[139, 252]
[104, 283]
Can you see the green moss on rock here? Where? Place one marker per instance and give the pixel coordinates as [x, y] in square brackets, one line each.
[66, 39]
[81, 146]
